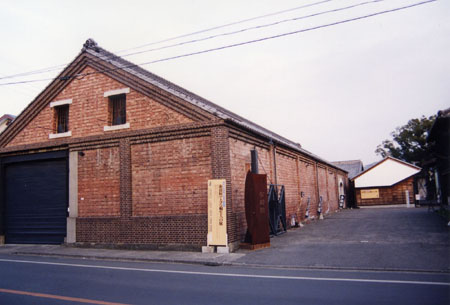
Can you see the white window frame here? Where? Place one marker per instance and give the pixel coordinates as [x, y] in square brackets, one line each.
[60, 103]
[116, 127]
[63, 134]
[116, 92]
[60, 135]
[112, 93]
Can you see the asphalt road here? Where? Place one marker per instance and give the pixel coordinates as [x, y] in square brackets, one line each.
[43, 280]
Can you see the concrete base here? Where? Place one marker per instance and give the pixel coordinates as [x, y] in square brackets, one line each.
[233, 246]
[223, 249]
[71, 236]
[208, 249]
[213, 249]
[321, 216]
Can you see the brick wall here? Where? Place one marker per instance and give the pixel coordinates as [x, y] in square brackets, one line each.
[296, 172]
[147, 232]
[88, 113]
[170, 178]
[308, 187]
[98, 183]
[389, 195]
[168, 201]
[287, 175]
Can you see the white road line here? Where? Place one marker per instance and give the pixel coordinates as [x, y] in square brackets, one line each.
[282, 277]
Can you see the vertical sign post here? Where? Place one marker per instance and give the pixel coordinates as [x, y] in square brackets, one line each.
[217, 213]
[408, 205]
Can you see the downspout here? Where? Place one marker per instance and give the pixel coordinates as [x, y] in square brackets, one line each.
[274, 153]
[327, 171]
[317, 188]
[299, 209]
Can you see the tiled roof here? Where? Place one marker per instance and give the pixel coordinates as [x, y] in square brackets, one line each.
[92, 48]
[353, 167]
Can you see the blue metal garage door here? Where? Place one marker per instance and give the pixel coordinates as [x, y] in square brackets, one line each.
[35, 200]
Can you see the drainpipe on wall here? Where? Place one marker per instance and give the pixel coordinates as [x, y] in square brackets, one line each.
[317, 184]
[254, 160]
[274, 153]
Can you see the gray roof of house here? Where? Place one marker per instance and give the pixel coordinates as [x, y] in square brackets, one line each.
[353, 167]
[370, 165]
[92, 48]
[7, 117]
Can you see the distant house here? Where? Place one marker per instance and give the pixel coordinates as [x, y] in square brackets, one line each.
[439, 134]
[354, 168]
[388, 182]
[5, 120]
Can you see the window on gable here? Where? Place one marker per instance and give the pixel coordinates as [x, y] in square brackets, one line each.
[117, 104]
[62, 118]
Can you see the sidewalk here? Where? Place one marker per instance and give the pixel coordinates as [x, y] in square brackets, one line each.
[213, 259]
[396, 239]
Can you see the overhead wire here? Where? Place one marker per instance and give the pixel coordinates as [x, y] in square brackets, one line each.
[255, 27]
[228, 24]
[39, 71]
[57, 67]
[243, 30]
[25, 90]
[238, 44]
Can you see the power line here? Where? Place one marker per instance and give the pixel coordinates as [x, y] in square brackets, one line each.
[254, 27]
[243, 30]
[236, 44]
[284, 34]
[57, 67]
[227, 25]
[39, 71]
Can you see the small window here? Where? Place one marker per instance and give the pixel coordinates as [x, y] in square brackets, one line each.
[62, 118]
[118, 109]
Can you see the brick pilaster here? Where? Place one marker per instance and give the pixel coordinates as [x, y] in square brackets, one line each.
[125, 178]
[221, 169]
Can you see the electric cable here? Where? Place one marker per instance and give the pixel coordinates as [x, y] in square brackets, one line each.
[254, 27]
[235, 44]
[241, 30]
[227, 25]
[57, 67]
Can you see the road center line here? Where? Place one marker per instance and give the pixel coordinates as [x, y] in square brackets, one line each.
[57, 297]
[282, 277]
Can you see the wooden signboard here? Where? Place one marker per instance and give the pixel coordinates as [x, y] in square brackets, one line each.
[217, 213]
[370, 194]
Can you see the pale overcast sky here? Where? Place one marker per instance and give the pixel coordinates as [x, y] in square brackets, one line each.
[339, 90]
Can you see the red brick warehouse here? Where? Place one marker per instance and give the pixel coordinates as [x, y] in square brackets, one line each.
[111, 154]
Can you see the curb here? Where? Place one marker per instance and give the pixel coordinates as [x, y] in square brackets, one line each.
[123, 259]
[231, 264]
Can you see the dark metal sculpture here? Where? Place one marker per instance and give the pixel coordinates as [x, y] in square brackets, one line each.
[277, 209]
[256, 209]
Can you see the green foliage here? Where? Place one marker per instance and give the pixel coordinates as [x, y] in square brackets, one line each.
[409, 142]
